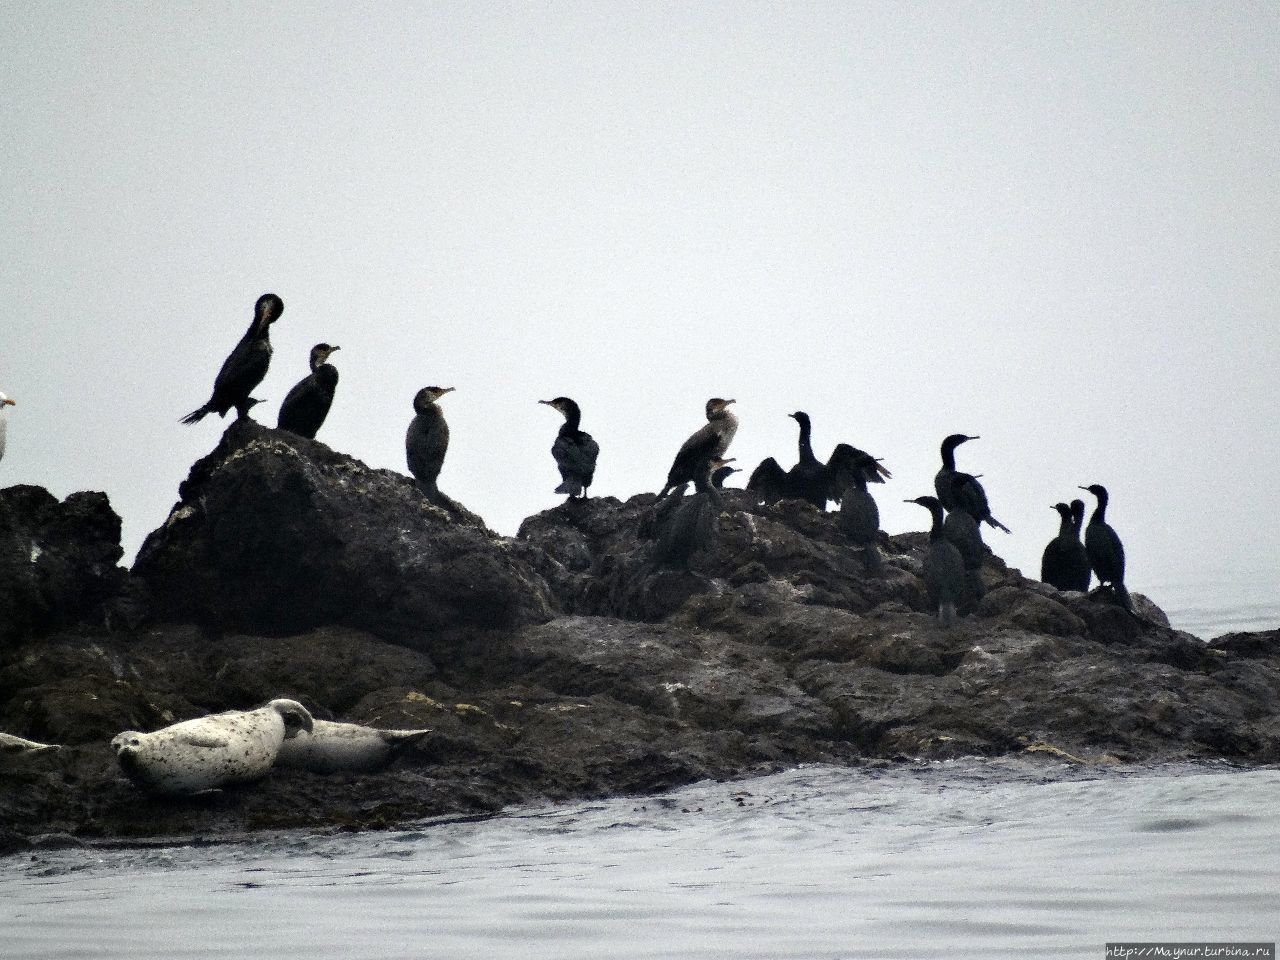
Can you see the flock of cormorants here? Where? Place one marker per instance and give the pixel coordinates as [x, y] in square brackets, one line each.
[683, 524]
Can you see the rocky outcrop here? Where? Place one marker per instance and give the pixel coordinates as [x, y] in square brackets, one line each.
[58, 561]
[279, 534]
[568, 663]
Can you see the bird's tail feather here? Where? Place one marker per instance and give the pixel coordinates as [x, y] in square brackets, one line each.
[571, 488]
[996, 523]
[195, 416]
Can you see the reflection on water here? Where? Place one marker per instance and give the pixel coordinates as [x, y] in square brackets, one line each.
[984, 859]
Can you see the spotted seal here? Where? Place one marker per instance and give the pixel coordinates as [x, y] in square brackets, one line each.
[345, 747]
[16, 748]
[210, 752]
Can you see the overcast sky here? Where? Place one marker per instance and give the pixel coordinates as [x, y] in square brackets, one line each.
[1056, 225]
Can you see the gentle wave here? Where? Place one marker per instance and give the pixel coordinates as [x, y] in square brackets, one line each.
[977, 859]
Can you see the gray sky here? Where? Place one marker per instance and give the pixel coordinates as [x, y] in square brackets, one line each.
[1051, 224]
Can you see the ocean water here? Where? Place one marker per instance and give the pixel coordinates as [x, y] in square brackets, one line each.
[976, 859]
[1209, 603]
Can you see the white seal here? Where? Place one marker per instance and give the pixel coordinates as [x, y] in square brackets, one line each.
[16, 748]
[210, 752]
[345, 747]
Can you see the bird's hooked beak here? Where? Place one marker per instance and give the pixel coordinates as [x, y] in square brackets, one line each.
[333, 349]
[444, 390]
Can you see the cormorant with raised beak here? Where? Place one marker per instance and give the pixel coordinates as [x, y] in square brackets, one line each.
[944, 575]
[1105, 551]
[708, 443]
[575, 451]
[954, 487]
[245, 367]
[307, 404]
[1065, 564]
[426, 442]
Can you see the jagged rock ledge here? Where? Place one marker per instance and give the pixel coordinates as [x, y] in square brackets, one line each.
[559, 664]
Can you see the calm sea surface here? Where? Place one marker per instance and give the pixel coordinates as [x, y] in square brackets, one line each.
[979, 859]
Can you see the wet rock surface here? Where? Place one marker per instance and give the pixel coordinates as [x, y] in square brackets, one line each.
[564, 663]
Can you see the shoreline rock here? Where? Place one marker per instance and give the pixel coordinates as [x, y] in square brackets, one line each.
[561, 664]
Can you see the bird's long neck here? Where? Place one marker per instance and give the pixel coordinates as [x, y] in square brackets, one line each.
[572, 417]
[935, 532]
[1067, 528]
[1100, 511]
[260, 329]
[948, 456]
[806, 448]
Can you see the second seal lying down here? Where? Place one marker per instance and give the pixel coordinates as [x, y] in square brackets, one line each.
[345, 747]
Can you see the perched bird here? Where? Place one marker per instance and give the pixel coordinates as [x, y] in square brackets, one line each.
[954, 487]
[1065, 564]
[688, 524]
[944, 575]
[426, 442]
[810, 479]
[1105, 551]
[307, 404]
[859, 515]
[246, 366]
[962, 529]
[4, 420]
[721, 474]
[709, 442]
[575, 451]
[210, 752]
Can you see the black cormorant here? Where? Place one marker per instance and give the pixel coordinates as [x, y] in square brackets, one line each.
[811, 479]
[721, 474]
[859, 514]
[962, 529]
[307, 404]
[1105, 551]
[574, 450]
[708, 443]
[686, 525]
[246, 366]
[1065, 565]
[954, 487]
[426, 442]
[4, 420]
[944, 574]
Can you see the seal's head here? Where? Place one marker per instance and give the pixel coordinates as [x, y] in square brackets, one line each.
[296, 717]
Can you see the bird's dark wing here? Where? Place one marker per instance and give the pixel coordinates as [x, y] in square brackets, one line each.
[768, 481]
[848, 463]
[425, 446]
[969, 495]
[576, 457]
[243, 370]
[693, 453]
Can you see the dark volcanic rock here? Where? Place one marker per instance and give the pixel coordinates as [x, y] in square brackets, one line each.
[291, 571]
[57, 560]
[280, 534]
